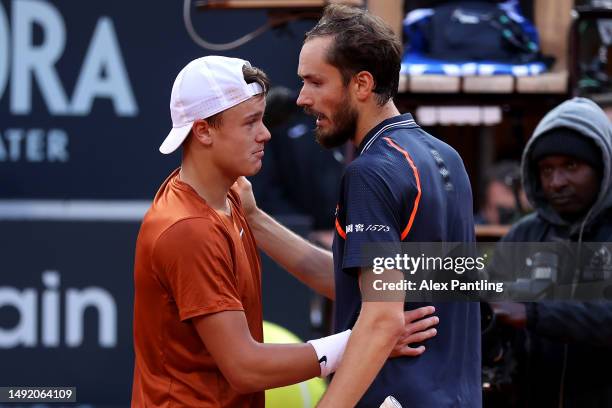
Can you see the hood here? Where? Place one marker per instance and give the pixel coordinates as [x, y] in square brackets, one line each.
[588, 119]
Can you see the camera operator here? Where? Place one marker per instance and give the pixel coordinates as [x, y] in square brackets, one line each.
[566, 176]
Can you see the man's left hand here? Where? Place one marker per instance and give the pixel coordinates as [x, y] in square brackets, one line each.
[418, 327]
[244, 189]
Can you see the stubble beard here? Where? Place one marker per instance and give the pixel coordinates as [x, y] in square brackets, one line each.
[344, 128]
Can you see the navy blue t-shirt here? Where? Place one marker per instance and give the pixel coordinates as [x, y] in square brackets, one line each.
[413, 188]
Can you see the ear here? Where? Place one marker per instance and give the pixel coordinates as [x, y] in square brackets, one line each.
[202, 132]
[364, 84]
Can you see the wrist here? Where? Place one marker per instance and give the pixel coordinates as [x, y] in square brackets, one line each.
[330, 350]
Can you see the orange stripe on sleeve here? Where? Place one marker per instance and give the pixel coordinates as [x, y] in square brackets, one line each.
[415, 171]
[340, 230]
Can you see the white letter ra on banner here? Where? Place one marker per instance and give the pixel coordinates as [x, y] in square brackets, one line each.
[102, 75]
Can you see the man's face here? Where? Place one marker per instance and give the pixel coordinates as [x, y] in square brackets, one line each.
[325, 96]
[569, 185]
[500, 204]
[238, 142]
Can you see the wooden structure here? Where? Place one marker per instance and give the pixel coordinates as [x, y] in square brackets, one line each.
[490, 232]
[553, 20]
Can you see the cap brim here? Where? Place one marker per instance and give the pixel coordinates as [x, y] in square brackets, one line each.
[175, 138]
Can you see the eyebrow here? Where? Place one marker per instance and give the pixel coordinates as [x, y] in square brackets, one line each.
[254, 115]
[309, 76]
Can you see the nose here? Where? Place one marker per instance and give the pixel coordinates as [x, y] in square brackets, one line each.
[264, 135]
[303, 99]
[558, 180]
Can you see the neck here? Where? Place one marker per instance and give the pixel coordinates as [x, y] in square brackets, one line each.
[206, 179]
[573, 217]
[372, 116]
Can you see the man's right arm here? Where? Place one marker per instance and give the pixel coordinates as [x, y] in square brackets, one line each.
[587, 323]
[309, 263]
[250, 366]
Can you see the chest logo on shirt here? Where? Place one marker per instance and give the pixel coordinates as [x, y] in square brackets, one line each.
[364, 228]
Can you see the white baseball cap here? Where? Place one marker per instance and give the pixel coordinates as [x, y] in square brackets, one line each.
[205, 87]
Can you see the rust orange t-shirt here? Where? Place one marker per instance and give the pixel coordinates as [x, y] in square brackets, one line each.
[190, 261]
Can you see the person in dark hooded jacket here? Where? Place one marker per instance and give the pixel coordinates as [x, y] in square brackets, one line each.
[566, 174]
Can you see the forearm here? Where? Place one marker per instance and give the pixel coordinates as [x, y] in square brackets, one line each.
[576, 322]
[247, 364]
[308, 263]
[371, 341]
[277, 365]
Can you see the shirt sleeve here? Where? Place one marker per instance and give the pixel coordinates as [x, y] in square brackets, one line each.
[375, 205]
[194, 262]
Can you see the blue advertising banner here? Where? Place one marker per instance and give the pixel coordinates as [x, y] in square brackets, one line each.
[66, 295]
[85, 90]
[66, 307]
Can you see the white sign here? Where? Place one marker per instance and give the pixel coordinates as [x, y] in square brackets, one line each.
[24, 64]
[34, 307]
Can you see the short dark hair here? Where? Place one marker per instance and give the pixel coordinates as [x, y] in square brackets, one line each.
[251, 74]
[362, 42]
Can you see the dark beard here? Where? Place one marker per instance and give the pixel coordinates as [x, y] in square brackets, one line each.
[345, 120]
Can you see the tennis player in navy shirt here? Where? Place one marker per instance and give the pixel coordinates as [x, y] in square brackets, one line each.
[407, 184]
[413, 188]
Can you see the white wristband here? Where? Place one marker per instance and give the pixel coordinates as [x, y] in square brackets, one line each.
[330, 350]
[391, 402]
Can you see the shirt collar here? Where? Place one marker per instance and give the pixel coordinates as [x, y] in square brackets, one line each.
[405, 118]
